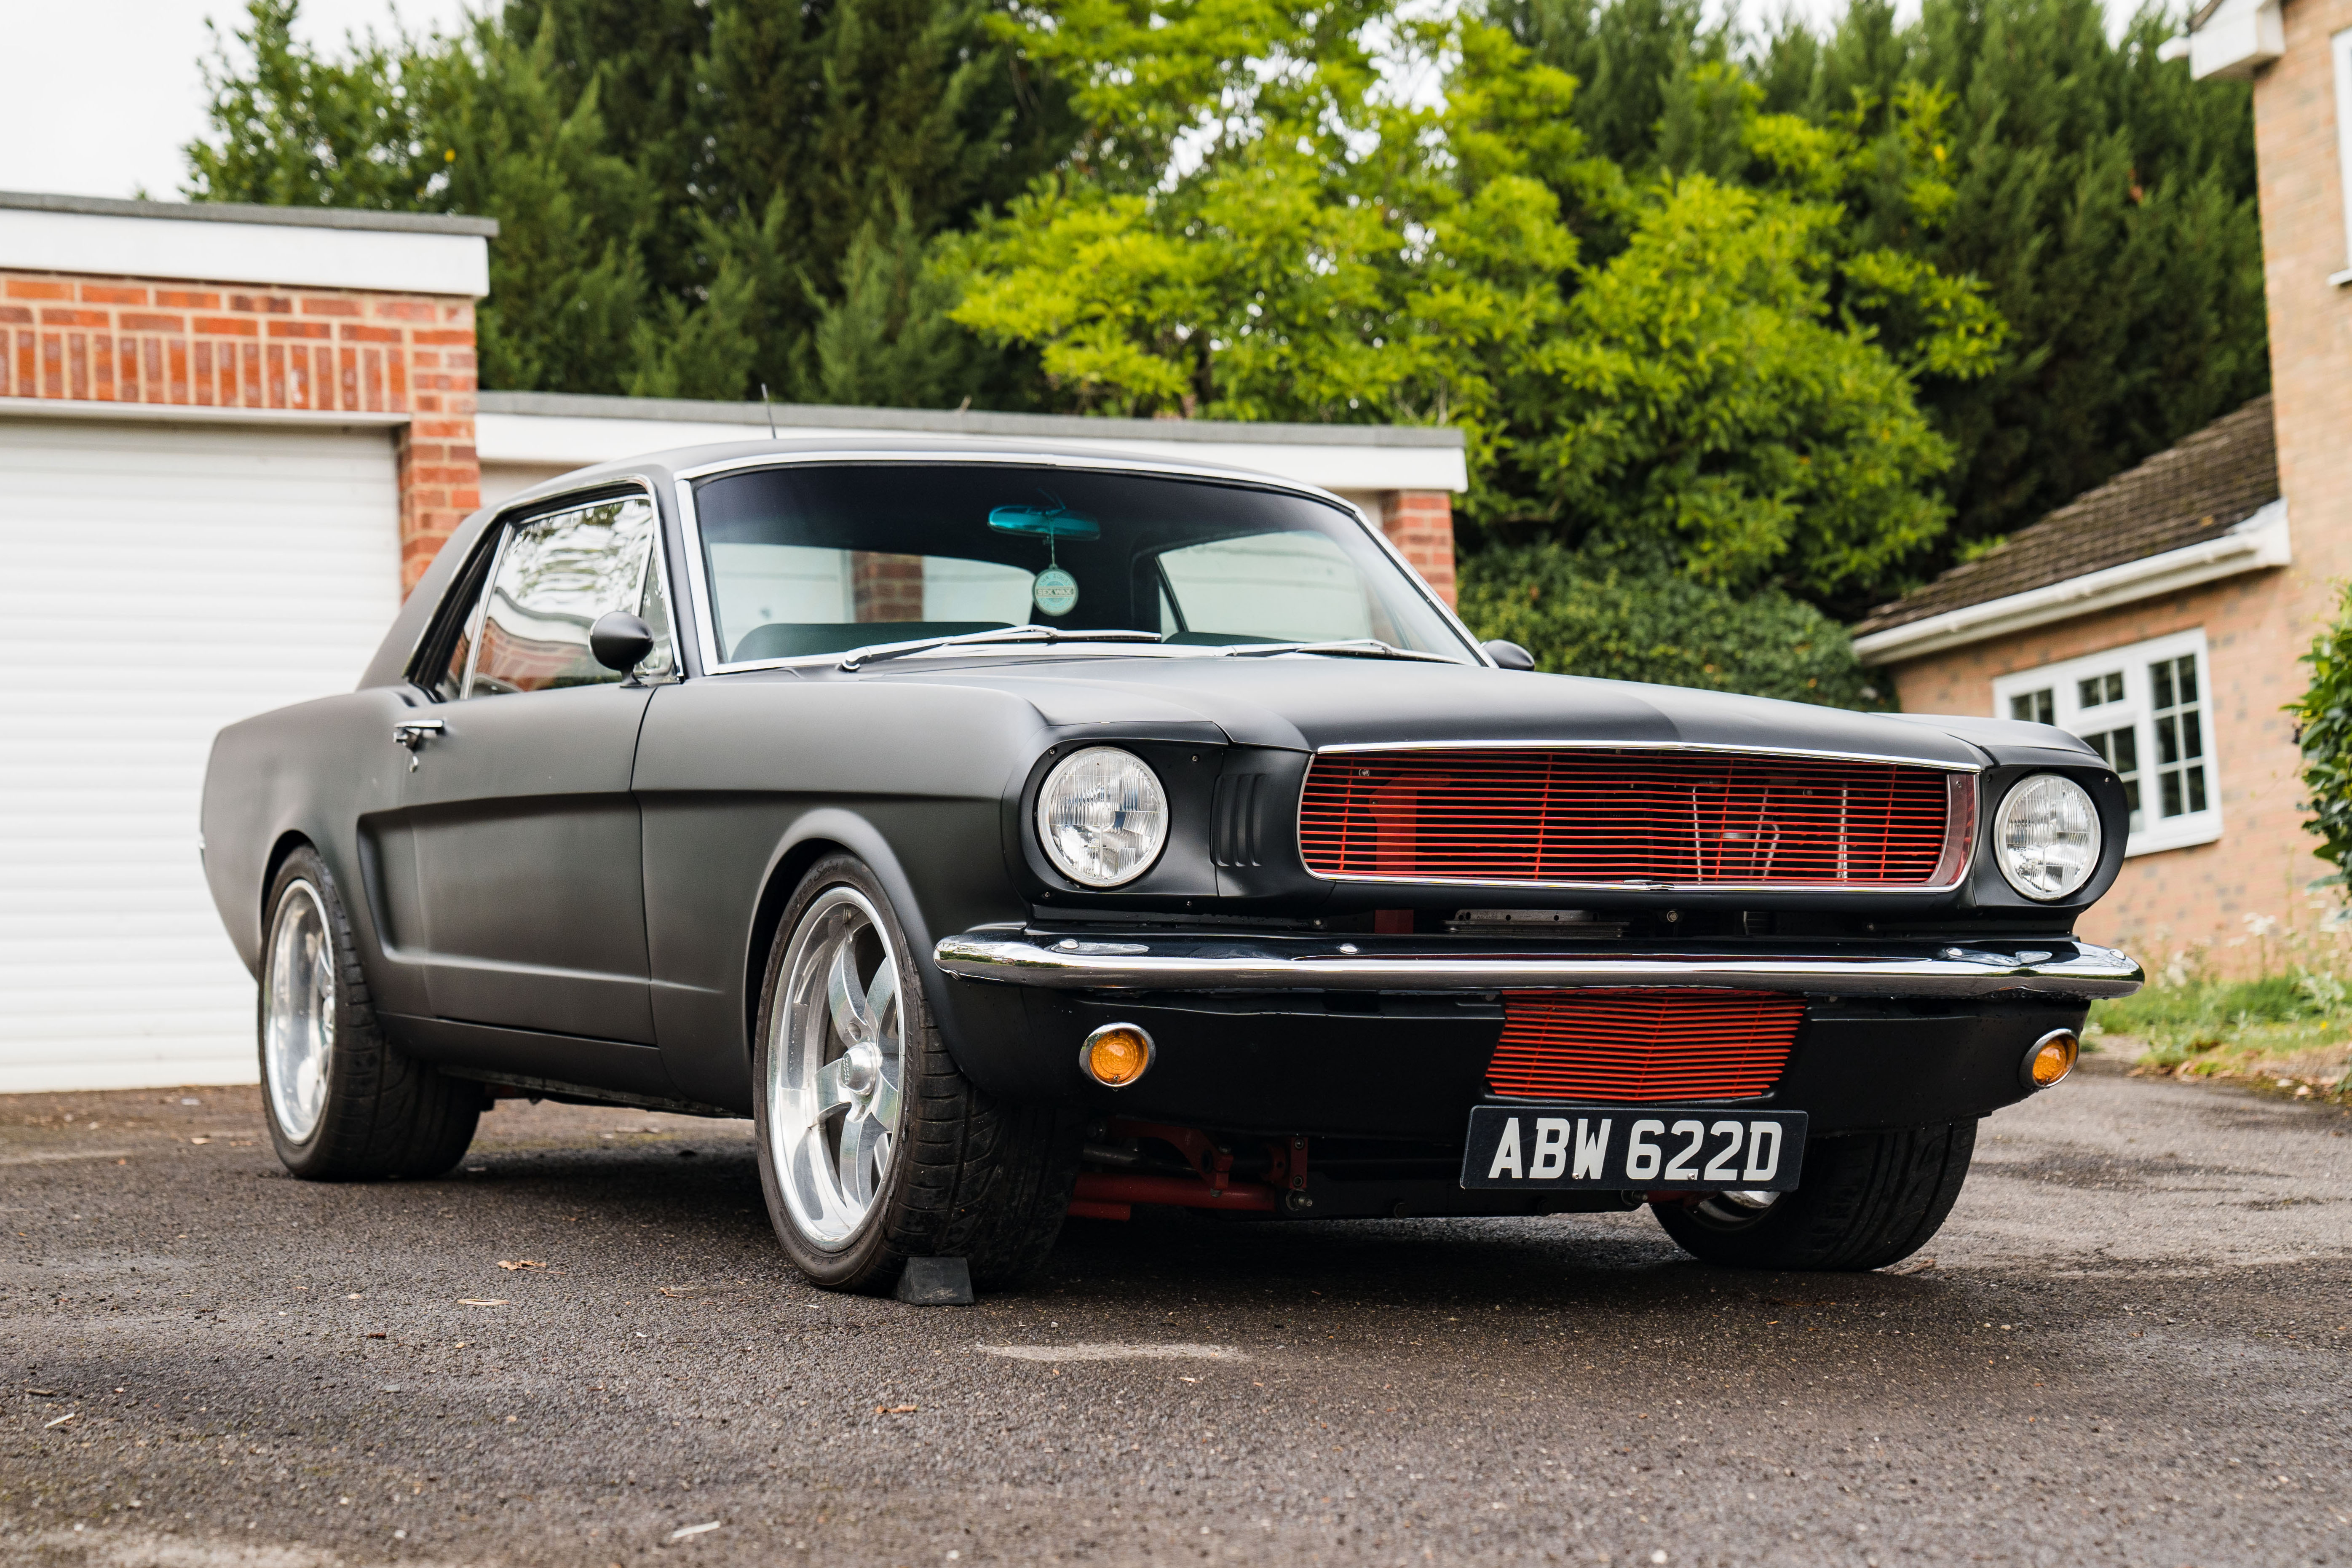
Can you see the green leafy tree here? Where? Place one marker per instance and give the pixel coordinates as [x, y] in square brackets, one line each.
[1583, 616]
[2323, 721]
[694, 198]
[2103, 200]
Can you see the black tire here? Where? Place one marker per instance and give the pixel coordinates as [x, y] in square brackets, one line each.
[1867, 1200]
[969, 1175]
[384, 1114]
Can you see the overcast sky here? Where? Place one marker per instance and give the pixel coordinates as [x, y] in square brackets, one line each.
[119, 130]
[109, 123]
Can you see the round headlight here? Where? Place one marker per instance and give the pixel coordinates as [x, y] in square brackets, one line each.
[2046, 837]
[1102, 817]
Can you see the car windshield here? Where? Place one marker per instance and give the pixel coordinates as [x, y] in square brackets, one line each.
[809, 560]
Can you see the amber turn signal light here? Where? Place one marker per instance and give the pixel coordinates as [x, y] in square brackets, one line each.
[1116, 1054]
[2052, 1058]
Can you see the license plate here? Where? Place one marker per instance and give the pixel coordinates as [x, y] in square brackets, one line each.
[1633, 1148]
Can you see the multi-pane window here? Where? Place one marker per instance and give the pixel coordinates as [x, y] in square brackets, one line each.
[2144, 710]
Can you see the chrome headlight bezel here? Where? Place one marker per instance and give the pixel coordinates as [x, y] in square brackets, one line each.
[2039, 812]
[1121, 787]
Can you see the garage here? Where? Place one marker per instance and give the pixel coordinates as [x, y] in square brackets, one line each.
[164, 579]
[231, 437]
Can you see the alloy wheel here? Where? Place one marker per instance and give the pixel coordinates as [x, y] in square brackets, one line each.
[836, 1067]
[297, 1027]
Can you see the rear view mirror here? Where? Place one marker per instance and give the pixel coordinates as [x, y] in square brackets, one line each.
[1507, 655]
[620, 640]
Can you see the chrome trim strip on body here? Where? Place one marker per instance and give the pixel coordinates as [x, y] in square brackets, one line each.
[690, 525]
[2063, 967]
[1952, 866]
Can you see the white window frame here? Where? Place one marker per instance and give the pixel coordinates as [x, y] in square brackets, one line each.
[2135, 709]
[2339, 49]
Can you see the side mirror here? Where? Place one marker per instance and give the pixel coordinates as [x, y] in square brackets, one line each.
[1509, 655]
[620, 641]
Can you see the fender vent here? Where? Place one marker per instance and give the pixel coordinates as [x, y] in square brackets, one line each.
[1232, 820]
[1635, 1045]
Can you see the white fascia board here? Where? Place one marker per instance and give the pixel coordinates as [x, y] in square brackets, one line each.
[2239, 38]
[563, 438]
[192, 414]
[2259, 542]
[253, 254]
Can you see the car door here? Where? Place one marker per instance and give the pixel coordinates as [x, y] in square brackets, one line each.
[528, 874]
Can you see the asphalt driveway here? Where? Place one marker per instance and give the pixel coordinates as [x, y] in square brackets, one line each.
[2131, 1347]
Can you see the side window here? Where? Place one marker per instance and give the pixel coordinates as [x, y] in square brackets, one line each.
[448, 652]
[555, 576]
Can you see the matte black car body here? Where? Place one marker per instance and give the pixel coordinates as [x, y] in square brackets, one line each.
[629, 879]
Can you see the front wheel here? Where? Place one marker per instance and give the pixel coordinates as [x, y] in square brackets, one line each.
[873, 1148]
[1868, 1200]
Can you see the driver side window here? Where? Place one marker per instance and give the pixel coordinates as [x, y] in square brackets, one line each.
[554, 577]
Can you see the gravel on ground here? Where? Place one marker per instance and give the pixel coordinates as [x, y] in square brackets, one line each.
[585, 1348]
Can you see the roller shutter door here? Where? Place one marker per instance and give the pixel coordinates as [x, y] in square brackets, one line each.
[159, 582]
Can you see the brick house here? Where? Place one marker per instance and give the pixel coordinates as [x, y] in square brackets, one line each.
[232, 438]
[2163, 616]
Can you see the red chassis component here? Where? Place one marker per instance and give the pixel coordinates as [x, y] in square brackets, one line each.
[1110, 1194]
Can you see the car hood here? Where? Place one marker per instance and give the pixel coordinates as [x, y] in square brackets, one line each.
[1308, 702]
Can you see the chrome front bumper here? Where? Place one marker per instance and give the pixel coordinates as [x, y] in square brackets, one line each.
[2050, 967]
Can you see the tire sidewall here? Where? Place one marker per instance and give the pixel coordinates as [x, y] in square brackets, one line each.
[305, 1156]
[871, 1257]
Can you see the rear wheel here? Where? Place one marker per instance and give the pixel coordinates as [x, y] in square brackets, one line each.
[343, 1103]
[873, 1147]
[1868, 1200]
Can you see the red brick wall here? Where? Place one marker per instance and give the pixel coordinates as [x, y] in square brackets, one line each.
[1421, 524]
[205, 345]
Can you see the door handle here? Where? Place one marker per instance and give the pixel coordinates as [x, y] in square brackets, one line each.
[414, 732]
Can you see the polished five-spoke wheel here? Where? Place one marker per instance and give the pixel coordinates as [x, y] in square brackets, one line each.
[342, 1101]
[298, 1011]
[874, 1147]
[836, 1067]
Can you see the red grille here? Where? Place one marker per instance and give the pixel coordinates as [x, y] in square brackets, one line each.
[1642, 1045]
[1681, 817]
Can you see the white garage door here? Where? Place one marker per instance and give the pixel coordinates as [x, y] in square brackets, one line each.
[157, 582]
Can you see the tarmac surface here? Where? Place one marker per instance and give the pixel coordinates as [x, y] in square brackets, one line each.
[2131, 1347]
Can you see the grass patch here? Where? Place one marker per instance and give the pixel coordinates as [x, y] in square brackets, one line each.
[2288, 1031]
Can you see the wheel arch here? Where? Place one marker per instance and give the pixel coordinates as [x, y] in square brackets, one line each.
[281, 850]
[826, 831]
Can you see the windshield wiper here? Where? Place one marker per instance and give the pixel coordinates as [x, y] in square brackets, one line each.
[873, 653]
[1352, 648]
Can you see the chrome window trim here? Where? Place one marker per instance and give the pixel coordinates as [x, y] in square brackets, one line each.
[481, 610]
[1953, 865]
[690, 527]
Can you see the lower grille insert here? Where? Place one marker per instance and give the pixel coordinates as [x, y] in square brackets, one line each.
[1635, 1045]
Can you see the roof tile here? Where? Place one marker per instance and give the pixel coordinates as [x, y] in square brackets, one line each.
[2199, 490]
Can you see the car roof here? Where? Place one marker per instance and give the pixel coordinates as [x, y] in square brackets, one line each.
[676, 462]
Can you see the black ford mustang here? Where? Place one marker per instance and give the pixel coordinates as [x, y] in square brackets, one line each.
[1016, 833]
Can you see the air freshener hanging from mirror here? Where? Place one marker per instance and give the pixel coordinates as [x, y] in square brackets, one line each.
[1055, 591]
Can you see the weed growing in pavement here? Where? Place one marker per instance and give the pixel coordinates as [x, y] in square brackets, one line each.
[2287, 1028]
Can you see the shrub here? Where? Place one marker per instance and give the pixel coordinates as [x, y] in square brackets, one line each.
[2323, 717]
[1579, 616]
